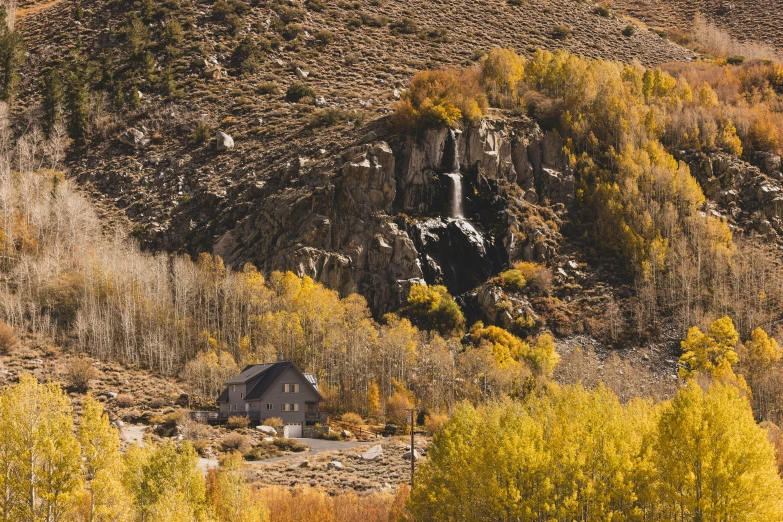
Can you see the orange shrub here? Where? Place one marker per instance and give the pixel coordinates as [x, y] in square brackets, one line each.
[8, 340]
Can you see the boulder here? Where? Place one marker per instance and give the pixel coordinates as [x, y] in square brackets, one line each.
[212, 72]
[320, 101]
[334, 465]
[346, 434]
[267, 430]
[133, 138]
[224, 141]
[299, 464]
[267, 439]
[374, 453]
[302, 74]
[408, 455]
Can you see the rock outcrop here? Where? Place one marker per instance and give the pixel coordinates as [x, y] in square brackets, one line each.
[371, 221]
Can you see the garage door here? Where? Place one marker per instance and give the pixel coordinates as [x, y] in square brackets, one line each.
[293, 431]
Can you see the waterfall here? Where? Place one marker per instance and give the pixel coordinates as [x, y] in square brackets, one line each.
[456, 177]
[456, 194]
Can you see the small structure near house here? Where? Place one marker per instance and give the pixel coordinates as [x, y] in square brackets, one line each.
[277, 389]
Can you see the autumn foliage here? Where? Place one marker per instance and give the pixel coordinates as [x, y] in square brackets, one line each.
[571, 454]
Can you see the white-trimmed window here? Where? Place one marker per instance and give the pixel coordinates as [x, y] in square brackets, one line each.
[286, 406]
[295, 406]
[286, 388]
[270, 406]
[241, 395]
[295, 388]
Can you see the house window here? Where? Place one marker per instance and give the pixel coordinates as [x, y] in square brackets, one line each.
[295, 388]
[270, 406]
[286, 388]
[295, 406]
[241, 395]
[286, 406]
[234, 388]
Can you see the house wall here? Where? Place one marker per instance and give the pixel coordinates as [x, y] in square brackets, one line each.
[276, 396]
[235, 394]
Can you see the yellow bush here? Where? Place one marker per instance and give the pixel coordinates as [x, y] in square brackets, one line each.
[434, 422]
[435, 308]
[440, 98]
[352, 418]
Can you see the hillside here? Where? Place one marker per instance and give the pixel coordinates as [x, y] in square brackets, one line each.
[182, 196]
[743, 20]
[538, 241]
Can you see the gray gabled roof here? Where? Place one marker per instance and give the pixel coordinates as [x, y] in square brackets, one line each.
[265, 375]
[249, 373]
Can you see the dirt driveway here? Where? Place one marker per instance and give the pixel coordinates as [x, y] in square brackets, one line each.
[319, 446]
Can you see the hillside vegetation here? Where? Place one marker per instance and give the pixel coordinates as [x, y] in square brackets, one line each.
[593, 338]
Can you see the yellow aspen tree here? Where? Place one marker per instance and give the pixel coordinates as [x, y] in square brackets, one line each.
[373, 399]
[42, 473]
[714, 461]
[231, 496]
[712, 353]
[102, 465]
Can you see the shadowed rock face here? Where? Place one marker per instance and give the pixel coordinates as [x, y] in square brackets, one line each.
[379, 222]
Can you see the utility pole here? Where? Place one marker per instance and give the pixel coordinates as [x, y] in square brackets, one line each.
[413, 450]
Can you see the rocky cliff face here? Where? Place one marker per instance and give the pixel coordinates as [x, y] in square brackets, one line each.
[748, 195]
[377, 218]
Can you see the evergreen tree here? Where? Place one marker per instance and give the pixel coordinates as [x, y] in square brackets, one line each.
[76, 105]
[53, 98]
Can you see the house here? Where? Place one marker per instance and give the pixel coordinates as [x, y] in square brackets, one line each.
[273, 390]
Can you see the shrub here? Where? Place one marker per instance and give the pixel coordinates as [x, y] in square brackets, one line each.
[602, 10]
[81, 373]
[329, 117]
[268, 88]
[292, 31]
[561, 32]
[235, 442]
[404, 26]
[513, 280]
[297, 91]
[172, 419]
[324, 38]
[235, 422]
[315, 5]
[200, 445]
[629, 30]
[275, 422]
[8, 340]
[353, 418]
[440, 97]
[262, 452]
[246, 57]
[538, 277]
[515, 2]
[202, 134]
[434, 307]
[124, 400]
[290, 445]
[434, 422]
[735, 60]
